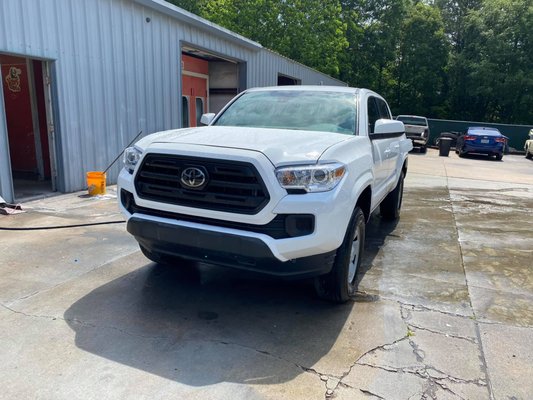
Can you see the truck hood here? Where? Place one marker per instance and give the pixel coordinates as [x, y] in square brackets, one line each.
[281, 146]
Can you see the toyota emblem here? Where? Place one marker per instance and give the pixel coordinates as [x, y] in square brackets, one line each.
[193, 178]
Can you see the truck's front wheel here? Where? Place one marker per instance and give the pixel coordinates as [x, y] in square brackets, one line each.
[340, 282]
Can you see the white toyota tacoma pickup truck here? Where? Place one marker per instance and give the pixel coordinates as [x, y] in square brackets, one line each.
[282, 181]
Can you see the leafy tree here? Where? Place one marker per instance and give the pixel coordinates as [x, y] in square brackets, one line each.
[308, 31]
[193, 6]
[456, 59]
[373, 33]
[422, 56]
[455, 16]
[499, 61]
[255, 19]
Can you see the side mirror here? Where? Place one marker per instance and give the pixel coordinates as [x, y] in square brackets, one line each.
[388, 126]
[207, 118]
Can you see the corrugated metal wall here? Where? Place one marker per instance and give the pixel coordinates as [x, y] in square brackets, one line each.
[266, 65]
[116, 73]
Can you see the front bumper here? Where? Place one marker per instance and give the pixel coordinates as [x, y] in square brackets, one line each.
[244, 240]
[222, 248]
[417, 138]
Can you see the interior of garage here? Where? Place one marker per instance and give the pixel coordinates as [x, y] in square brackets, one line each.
[208, 83]
[26, 119]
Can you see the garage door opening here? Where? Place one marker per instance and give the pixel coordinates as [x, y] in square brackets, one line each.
[208, 83]
[27, 113]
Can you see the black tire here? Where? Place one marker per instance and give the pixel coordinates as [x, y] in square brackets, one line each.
[461, 154]
[164, 259]
[423, 150]
[337, 286]
[498, 157]
[528, 154]
[391, 205]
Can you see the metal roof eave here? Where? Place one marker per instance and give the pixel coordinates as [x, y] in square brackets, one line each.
[198, 22]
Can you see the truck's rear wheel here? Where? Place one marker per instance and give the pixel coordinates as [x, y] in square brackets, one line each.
[339, 284]
[391, 205]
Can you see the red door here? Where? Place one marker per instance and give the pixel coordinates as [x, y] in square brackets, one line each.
[19, 117]
[194, 89]
[18, 114]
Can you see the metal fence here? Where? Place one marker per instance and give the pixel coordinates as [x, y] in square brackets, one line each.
[517, 134]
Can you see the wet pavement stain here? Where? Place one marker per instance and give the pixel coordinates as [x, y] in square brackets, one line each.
[207, 315]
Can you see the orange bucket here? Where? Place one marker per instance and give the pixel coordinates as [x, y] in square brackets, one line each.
[96, 182]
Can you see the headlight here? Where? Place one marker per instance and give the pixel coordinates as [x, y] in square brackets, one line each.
[312, 178]
[132, 155]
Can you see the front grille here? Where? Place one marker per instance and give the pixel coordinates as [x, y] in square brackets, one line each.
[232, 186]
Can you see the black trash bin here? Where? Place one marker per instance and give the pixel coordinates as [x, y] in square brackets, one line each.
[444, 146]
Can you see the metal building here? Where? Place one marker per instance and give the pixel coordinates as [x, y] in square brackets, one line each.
[81, 78]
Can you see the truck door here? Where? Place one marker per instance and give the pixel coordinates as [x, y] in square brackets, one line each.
[379, 147]
[393, 152]
[385, 149]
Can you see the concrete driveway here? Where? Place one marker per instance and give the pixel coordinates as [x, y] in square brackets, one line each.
[444, 311]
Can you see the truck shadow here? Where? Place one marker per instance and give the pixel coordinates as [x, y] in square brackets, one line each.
[201, 325]
[377, 232]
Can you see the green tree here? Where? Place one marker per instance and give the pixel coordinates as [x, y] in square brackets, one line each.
[308, 31]
[193, 6]
[499, 61]
[456, 59]
[422, 57]
[373, 33]
[455, 16]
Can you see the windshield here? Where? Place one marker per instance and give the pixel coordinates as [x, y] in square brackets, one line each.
[293, 109]
[412, 120]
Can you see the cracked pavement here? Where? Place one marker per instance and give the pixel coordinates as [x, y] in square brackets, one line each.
[444, 308]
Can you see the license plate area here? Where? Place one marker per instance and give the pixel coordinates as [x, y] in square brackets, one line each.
[484, 141]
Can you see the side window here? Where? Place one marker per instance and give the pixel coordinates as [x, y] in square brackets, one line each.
[373, 113]
[184, 112]
[199, 110]
[384, 112]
